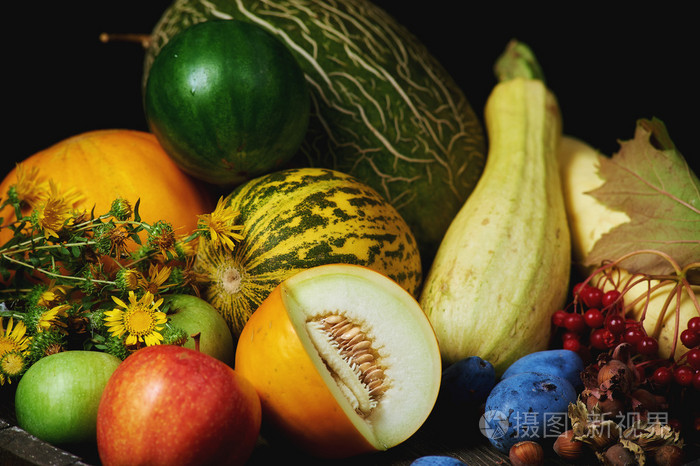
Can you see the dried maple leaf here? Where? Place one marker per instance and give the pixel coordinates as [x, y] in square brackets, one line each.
[651, 182]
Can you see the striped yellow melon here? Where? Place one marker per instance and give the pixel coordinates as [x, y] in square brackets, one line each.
[296, 219]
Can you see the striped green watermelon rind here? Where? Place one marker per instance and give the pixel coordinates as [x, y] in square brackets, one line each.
[296, 219]
[382, 108]
[227, 101]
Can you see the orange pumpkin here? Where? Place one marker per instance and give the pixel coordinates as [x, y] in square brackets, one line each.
[103, 165]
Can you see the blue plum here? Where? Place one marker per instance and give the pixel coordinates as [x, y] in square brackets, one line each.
[437, 460]
[526, 406]
[466, 383]
[560, 362]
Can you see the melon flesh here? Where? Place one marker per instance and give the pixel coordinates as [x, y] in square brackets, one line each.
[402, 335]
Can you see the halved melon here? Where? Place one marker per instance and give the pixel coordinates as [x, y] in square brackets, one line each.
[344, 360]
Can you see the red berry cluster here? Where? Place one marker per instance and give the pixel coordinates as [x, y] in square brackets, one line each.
[685, 370]
[595, 322]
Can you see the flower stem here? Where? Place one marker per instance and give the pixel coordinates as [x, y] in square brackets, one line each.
[53, 274]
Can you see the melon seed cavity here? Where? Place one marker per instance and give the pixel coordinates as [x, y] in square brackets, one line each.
[347, 351]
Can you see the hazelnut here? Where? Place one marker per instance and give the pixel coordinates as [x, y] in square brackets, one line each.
[618, 455]
[669, 455]
[615, 374]
[611, 404]
[526, 453]
[567, 447]
[602, 434]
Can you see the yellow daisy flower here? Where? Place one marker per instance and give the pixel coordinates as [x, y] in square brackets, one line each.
[129, 279]
[157, 276]
[13, 339]
[52, 318]
[71, 196]
[140, 319]
[29, 188]
[118, 238]
[53, 294]
[11, 366]
[54, 212]
[220, 225]
[189, 248]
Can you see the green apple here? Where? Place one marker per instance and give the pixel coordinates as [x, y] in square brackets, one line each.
[197, 316]
[58, 396]
[167, 405]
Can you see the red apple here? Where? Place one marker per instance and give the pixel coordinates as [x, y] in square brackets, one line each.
[168, 405]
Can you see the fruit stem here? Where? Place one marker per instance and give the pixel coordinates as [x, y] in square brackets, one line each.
[518, 61]
[196, 337]
[143, 39]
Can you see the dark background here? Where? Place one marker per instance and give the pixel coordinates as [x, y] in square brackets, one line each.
[607, 68]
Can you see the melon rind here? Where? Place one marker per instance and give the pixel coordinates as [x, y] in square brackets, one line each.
[382, 107]
[296, 219]
[409, 346]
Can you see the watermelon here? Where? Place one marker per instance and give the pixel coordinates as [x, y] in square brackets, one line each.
[227, 101]
[383, 109]
[299, 218]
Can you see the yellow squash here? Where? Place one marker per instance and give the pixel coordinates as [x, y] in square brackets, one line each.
[588, 218]
[503, 266]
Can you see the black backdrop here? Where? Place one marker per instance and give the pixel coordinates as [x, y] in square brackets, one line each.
[607, 68]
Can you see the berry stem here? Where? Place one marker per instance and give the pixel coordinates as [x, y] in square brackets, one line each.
[679, 295]
[689, 286]
[669, 259]
[676, 292]
[679, 280]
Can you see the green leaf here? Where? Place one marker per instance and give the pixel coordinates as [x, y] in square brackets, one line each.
[137, 215]
[651, 182]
